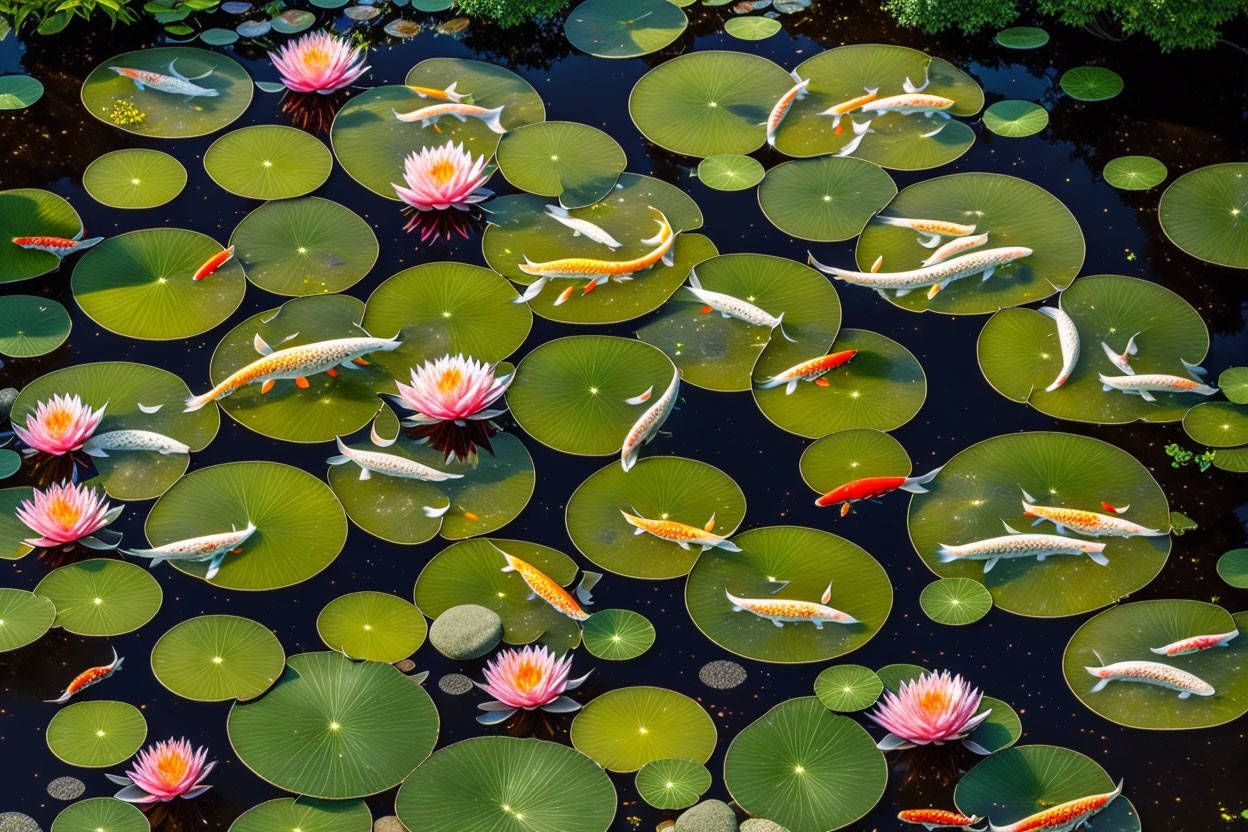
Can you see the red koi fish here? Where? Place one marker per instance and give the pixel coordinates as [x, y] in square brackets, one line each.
[812, 370]
[870, 487]
[60, 246]
[87, 678]
[1064, 817]
[940, 819]
[213, 263]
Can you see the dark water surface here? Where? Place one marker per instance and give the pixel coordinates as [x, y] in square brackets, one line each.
[1187, 110]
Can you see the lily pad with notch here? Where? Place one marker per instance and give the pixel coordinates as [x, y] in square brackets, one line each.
[212, 658]
[673, 783]
[24, 617]
[1200, 213]
[374, 626]
[31, 326]
[848, 687]
[97, 733]
[577, 163]
[31, 212]
[268, 161]
[825, 199]
[626, 728]
[624, 28]
[134, 178]
[101, 596]
[617, 635]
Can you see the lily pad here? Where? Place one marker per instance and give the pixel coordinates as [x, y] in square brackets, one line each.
[31, 326]
[297, 20]
[1200, 213]
[10, 462]
[789, 563]
[12, 530]
[1233, 568]
[617, 635]
[805, 768]
[624, 28]
[1134, 173]
[1129, 633]
[1022, 37]
[30, 212]
[1091, 83]
[212, 658]
[268, 161]
[333, 728]
[101, 597]
[753, 27]
[892, 675]
[373, 626]
[625, 728]
[307, 814]
[1000, 730]
[166, 115]
[848, 687]
[1015, 119]
[1232, 459]
[134, 178]
[848, 455]
[955, 601]
[673, 783]
[1217, 424]
[17, 92]
[24, 617]
[730, 171]
[980, 488]
[1233, 382]
[101, 814]
[218, 37]
[826, 199]
[575, 162]
[96, 734]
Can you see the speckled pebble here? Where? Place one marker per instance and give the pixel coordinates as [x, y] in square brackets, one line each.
[7, 396]
[66, 788]
[722, 674]
[389, 823]
[17, 822]
[708, 816]
[456, 684]
[761, 825]
[468, 631]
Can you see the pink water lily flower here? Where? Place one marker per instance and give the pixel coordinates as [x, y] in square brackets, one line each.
[452, 389]
[59, 425]
[443, 177]
[319, 62]
[66, 513]
[933, 709]
[527, 679]
[164, 771]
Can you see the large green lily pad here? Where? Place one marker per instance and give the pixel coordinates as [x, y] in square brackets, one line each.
[307, 814]
[31, 326]
[826, 199]
[24, 617]
[1202, 212]
[577, 163]
[212, 658]
[268, 161]
[849, 455]
[101, 814]
[96, 734]
[373, 626]
[625, 728]
[134, 178]
[101, 596]
[30, 212]
[624, 28]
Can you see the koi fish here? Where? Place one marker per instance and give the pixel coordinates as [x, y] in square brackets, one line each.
[1195, 644]
[601, 270]
[861, 129]
[730, 307]
[846, 107]
[1019, 545]
[930, 231]
[582, 227]
[213, 263]
[955, 247]
[912, 101]
[87, 678]
[456, 109]
[547, 588]
[937, 276]
[133, 440]
[1081, 521]
[1150, 673]
[780, 612]
[778, 112]
[1068, 338]
[60, 246]
[1121, 360]
[447, 94]
[812, 370]
[1144, 385]
[940, 819]
[680, 534]
[1064, 817]
[392, 465]
[210, 547]
[294, 363]
[176, 83]
[871, 487]
[647, 427]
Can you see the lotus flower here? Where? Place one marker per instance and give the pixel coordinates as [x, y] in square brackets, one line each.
[66, 513]
[319, 62]
[932, 709]
[452, 390]
[527, 679]
[164, 771]
[59, 425]
[443, 177]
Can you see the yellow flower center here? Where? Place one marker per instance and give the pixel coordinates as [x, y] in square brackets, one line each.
[316, 58]
[442, 171]
[528, 676]
[64, 512]
[171, 767]
[934, 701]
[450, 380]
[58, 421]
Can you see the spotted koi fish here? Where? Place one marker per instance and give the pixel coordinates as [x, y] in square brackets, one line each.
[871, 487]
[812, 370]
[954, 247]
[455, 109]
[210, 547]
[940, 819]
[681, 534]
[930, 231]
[175, 83]
[1068, 339]
[647, 427]
[582, 227]
[1064, 817]
[393, 465]
[133, 440]
[213, 263]
[782, 107]
[937, 276]
[836, 111]
[1019, 545]
[1151, 673]
[1144, 385]
[60, 246]
[294, 363]
[1122, 360]
[548, 589]
[780, 612]
[87, 678]
[447, 94]
[1081, 521]
[913, 100]
[731, 307]
[1195, 644]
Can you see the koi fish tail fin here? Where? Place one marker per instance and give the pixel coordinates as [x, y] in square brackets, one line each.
[1097, 557]
[871, 90]
[832, 270]
[642, 398]
[194, 403]
[728, 546]
[780, 326]
[430, 511]
[909, 86]
[946, 553]
[914, 485]
[664, 226]
[532, 290]
[493, 120]
[588, 581]
[451, 95]
[1132, 349]
[90, 450]
[85, 244]
[60, 700]
[1194, 369]
[860, 132]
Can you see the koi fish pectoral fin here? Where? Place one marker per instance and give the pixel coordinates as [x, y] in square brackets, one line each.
[1185, 694]
[365, 474]
[988, 272]
[302, 383]
[267, 386]
[641, 398]
[988, 564]
[1099, 558]
[214, 566]
[729, 546]
[1147, 396]
[789, 388]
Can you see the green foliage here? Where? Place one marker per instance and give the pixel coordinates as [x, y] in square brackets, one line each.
[970, 16]
[1181, 456]
[508, 13]
[48, 17]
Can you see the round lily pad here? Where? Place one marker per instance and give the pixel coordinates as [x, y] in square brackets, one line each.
[30, 212]
[1013, 212]
[10, 462]
[116, 99]
[101, 814]
[955, 601]
[12, 530]
[617, 634]
[625, 728]
[730, 171]
[305, 246]
[794, 564]
[490, 783]
[334, 728]
[297, 20]
[848, 687]
[1233, 568]
[373, 626]
[805, 768]
[1200, 213]
[673, 783]
[892, 675]
[826, 199]
[624, 28]
[706, 103]
[1000, 730]
[307, 814]
[1091, 83]
[1134, 173]
[216, 657]
[753, 27]
[300, 527]
[1015, 119]
[882, 387]
[1217, 424]
[268, 161]
[577, 163]
[134, 178]
[1233, 382]
[848, 455]
[24, 617]
[1130, 632]
[1232, 459]
[569, 394]
[1022, 37]
[218, 37]
[17, 92]
[101, 597]
[661, 487]
[97, 733]
[981, 487]
[31, 326]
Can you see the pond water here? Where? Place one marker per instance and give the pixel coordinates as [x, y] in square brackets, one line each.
[1178, 108]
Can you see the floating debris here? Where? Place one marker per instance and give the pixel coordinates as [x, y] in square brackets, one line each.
[455, 684]
[401, 28]
[66, 788]
[389, 823]
[722, 674]
[17, 822]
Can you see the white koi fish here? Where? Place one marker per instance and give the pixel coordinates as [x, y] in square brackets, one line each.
[837, 111]
[1016, 544]
[1150, 673]
[812, 370]
[955, 247]
[1144, 385]
[778, 112]
[1068, 338]
[647, 427]
[175, 84]
[1195, 644]
[60, 246]
[730, 307]
[937, 276]
[455, 109]
[393, 465]
[679, 533]
[582, 227]
[861, 129]
[1064, 817]
[1081, 521]
[930, 231]
[211, 547]
[1122, 360]
[780, 611]
[133, 440]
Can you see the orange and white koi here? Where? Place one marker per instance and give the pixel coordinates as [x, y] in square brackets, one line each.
[847, 107]
[1151, 673]
[1195, 644]
[780, 611]
[940, 819]
[175, 84]
[782, 107]
[213, 263]
[87, 678]
[1122, 360]
[548, 589]
[133, 440]
[647, 427]
[812, 370]
[210, 547]
[1016, 544]
[913, 100]
[930, 231]
[1082, 521]
[60, 246]
[937, 276]
[1145, 384]
[455, 109]
[392, 465]
[955, 247]
[295, 363]
[679, 533]
[733, 307]
[1064, 817]
[1067, 339]
[448, 94]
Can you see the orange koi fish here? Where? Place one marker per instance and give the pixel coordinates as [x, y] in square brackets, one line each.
[213, 263]
[679, 533]
[87, 678]
[447, 94]
[912, 101]
[846, 107]
[930, 231]
[547, 588]
[455, 109]
[1064, 817]
[60, 246]
[1081, 521]
[812, 370]
[953, 248]
[781, 109]
[940, 819]
[780, 612]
